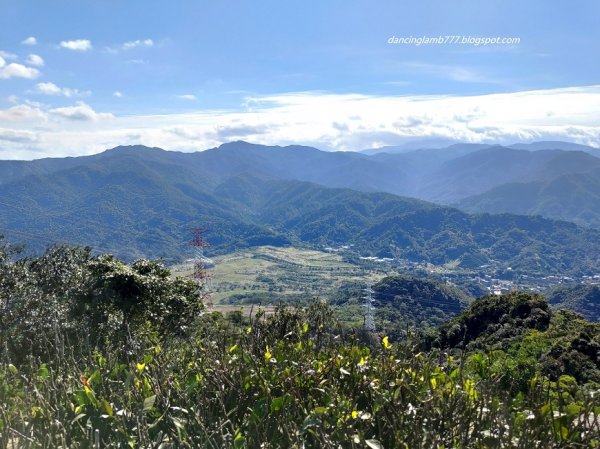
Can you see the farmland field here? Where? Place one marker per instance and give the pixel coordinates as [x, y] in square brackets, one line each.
[269, 275]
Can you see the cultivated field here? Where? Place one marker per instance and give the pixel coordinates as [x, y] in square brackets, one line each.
[269, 275]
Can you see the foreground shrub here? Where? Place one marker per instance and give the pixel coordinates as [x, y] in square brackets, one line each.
[292, 380]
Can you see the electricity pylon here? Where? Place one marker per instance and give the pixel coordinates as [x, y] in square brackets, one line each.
[369, 320]
[200, 274]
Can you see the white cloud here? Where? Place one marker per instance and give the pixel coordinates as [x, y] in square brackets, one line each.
[321, 119]
[77, 45]
[11, 135]
[189, 97]
[48, 89]
[35, 60]
[81, 111]
[53, 89]
[29, 41]
[12, 99]
[138, 43]
[7, 55]
[25, 113]
[117, 94]
[14, 70]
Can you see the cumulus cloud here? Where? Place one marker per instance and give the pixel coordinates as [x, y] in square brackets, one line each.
[14, 70]
[77, 45]
[189, 97]
[48, 89]
[53, 89]
[29, 41]
[81, 112]
[23, 113]
[35, 60]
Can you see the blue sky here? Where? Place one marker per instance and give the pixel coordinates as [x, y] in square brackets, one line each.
[191, 74]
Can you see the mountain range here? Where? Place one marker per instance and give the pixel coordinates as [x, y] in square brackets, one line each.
[141, 202]
[551, 179]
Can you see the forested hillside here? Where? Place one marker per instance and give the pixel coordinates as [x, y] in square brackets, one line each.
[583, 299]
[574, 197]
[137, 202]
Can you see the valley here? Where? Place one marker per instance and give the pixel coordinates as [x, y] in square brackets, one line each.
[268, 276]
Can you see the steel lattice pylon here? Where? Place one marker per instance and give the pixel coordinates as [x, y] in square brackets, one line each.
[369, 319]
[199, 272]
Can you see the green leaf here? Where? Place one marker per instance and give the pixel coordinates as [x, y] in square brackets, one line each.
[43, 371]
[320, 410]
[107, 407]
[374, 444]
[95, 377]
[80, 397]
[12, 368]
[239, 440]
[149, 402]
[278, 403]
[574, 410]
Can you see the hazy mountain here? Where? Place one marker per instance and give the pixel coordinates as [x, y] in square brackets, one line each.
[480, 171]
[573, 197]
[556, 145]
[133, 202]
[424, 144]
[141, 201]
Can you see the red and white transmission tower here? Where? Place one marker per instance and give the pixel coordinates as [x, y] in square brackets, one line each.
[200, 274]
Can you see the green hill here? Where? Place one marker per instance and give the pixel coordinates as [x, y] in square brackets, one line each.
[526, 329]
[406, 302]
[583, 299]
[574, 197]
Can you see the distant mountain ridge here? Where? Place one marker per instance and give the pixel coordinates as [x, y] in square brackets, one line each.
[574, 197]
[136, 202]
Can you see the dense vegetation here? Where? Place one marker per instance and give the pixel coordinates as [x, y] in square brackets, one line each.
[142, 203]
[527, 333]
[404, 302]
[141, 366]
